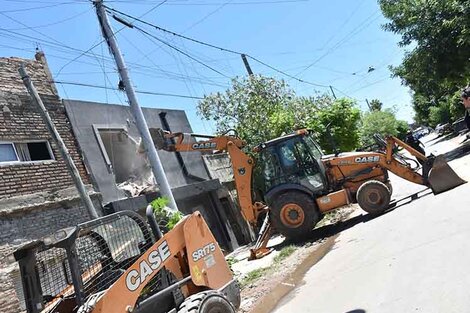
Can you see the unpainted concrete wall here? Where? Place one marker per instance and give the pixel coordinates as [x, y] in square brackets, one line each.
[85, 114]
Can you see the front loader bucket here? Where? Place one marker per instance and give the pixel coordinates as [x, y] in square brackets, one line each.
[442, 177]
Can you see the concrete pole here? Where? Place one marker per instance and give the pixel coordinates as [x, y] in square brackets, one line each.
[136, 111]
[333, 92]
[247, 65]
[60, 143]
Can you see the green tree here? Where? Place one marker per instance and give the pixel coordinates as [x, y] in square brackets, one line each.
[380, 122]
[402, 129]
[261, 108]
[439, 114]
[439, 32]
[375, 105]
[256, 107]
[337, 119]
[165, 218]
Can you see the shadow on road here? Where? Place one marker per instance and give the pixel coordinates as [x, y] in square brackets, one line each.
[442, 138]
[356, 311]
[458, 152]
[334, 229]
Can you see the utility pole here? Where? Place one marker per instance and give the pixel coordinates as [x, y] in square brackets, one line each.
[333, 92]
[136, 111]
[368, 104]
[60, 143]
[247, 65]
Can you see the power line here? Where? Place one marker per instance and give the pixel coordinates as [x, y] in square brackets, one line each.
[285, 74]
[51, 38]
[186, 3]
[343, 24]
[175, 75]
[114, 34]
[147, 71]
[137, 91]
[172, 32]
[205, 44]
[39, 7]
[170, 46]
[53, 23]
[79, 56]
[220, 7]
[346, 38]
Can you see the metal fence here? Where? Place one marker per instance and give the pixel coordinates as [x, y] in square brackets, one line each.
[102, 250]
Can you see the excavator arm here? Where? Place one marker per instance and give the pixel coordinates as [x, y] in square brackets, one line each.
[242, 166]
[436, 173]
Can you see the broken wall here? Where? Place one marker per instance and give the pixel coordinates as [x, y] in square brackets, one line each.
[88, 117]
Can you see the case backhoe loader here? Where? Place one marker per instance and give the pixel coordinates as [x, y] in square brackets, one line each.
[299, 184]
[115, 264]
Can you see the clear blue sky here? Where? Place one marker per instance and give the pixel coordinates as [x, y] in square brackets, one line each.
[341, 38]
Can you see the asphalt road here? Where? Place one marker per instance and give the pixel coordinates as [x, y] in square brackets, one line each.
[415, 258]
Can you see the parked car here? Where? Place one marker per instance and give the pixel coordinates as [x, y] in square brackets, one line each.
[420, 132]
[443, 128]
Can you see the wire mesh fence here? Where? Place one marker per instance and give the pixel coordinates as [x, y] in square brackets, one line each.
[105, 249]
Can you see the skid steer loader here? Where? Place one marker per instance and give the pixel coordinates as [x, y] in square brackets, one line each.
[299, 184]
[115, 264]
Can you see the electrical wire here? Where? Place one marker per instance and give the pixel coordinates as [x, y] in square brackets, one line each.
[39, 7]
[114, 34]
[185, 3]
[220, 7]
[137, 91]
[179, 50]
[286, 74]
[345, 39]
[53, 23]
[113, 11]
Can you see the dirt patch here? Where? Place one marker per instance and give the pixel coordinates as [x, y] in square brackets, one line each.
[266, 286]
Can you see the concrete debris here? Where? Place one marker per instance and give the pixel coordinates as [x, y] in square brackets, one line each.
[141, 179]
[138, 185]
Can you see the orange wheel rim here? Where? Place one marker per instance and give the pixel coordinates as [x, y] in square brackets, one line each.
[292, 215]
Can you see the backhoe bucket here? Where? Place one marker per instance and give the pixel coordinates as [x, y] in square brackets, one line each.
[159, 140]
[442, 177]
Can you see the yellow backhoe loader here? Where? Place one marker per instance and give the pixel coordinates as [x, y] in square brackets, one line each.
[115, 264]
[299, 184]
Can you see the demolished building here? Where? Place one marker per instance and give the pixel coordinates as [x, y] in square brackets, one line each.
[110, 143]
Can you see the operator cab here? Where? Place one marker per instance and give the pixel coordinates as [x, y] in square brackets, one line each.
[291, 159]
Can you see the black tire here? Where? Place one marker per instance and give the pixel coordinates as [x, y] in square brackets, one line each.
[373, 197]
[390, 187]
[299, 201]
[206, 302]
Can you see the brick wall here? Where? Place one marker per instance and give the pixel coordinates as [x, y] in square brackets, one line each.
[24, 225]
[31, 205]
[22, 122]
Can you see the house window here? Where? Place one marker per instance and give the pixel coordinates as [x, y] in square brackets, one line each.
[8, 152]
[34, 151]
[25, 151]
